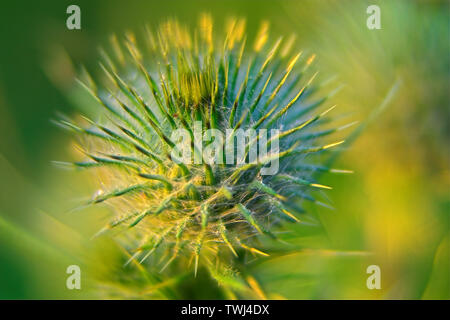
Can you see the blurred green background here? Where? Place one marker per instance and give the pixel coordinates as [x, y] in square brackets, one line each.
[395, 206]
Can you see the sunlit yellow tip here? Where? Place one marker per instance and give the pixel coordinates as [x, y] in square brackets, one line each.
[328, 110]
[331, 145]
[290, 215]
[321, 186]
[341, 171]
[293, 61]
[311, 59]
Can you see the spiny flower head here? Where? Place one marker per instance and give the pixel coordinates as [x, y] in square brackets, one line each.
[176, 79]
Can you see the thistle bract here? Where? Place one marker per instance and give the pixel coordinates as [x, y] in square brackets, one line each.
[258, 94]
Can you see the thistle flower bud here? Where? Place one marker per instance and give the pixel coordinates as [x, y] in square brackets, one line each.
[246, 118]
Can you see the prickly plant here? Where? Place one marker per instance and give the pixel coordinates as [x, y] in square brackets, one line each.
[201, 214]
